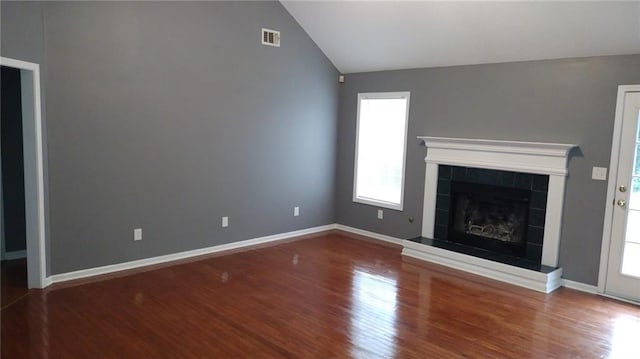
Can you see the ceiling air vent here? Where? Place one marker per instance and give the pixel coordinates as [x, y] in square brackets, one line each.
[270, 37]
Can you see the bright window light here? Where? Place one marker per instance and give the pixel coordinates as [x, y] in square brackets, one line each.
[381, 148]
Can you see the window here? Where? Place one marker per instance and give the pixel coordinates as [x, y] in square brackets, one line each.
[381, 140]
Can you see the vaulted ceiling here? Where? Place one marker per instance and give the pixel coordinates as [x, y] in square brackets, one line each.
[360, 36]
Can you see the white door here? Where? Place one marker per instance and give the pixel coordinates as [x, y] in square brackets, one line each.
[623, 272]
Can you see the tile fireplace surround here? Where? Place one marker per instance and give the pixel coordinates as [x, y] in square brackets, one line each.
[527, 157]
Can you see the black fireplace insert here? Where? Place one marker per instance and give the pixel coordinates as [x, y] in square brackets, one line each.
[490, 217]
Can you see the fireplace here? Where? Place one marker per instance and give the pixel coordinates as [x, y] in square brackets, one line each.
[537, 168]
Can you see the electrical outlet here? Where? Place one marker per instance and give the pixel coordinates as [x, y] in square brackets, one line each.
[599, 173]
[137, 234]
[380, 214]
[296, 211]
[225, 222]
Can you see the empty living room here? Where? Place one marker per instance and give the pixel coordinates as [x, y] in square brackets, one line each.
[320, 179]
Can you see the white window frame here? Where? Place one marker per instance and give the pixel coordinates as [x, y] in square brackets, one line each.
[371, 201]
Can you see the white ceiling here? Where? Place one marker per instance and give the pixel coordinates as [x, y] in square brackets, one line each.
[360, 36]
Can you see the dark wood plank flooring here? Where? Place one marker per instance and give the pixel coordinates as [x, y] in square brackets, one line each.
[326, 297]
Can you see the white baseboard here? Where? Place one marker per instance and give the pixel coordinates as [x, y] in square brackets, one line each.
[587, 288]
[9, 256]
[373, 235]
[84, 273]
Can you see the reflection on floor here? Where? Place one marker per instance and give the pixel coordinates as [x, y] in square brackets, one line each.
[14, 281]
[326, 297]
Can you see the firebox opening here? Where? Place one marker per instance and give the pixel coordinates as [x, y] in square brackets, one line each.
[489, 217]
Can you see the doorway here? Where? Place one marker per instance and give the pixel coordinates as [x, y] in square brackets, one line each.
[33, 176]
[620, 259]
[14, 236]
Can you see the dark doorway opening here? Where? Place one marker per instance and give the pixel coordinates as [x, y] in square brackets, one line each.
[14, 264]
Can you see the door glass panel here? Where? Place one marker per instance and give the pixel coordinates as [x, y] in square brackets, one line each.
[631, 257]
[638, 133]
[634, 196]
[630, 262]
[636, 163]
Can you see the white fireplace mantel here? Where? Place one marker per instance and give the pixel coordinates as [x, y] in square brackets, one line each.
[528, 157]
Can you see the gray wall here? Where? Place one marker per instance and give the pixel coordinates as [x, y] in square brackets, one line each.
[22, 37]
[567, 101]
[167, 116]
[21, 31]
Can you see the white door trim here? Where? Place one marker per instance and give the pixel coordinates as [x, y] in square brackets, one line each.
[611, 184]
[33, 170]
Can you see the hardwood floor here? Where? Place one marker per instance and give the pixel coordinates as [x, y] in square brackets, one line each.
[324, 297]
[14, 281]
